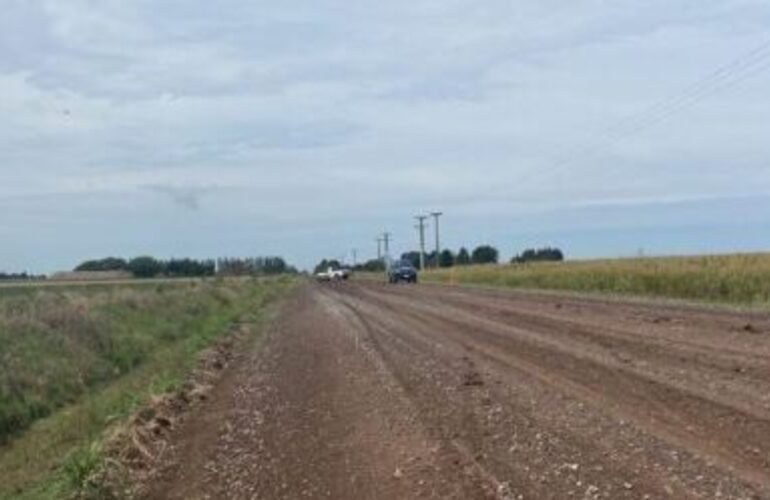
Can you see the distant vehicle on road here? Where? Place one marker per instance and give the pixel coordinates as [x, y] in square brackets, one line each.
[402, 271]
[332, 274]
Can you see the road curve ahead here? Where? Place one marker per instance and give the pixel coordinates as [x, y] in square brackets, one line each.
[369, 391]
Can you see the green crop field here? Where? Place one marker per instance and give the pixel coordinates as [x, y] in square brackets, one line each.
[741, 279]
[76, 359]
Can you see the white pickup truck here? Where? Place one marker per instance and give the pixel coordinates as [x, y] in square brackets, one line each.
[332, 274]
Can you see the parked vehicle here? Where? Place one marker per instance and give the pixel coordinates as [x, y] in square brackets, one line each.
[332, 274]
[402, 271]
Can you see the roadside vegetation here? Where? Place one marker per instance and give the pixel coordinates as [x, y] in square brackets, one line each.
[76, 360]
[741, 279]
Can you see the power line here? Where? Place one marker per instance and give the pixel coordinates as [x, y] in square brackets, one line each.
[748, 62]
[729, 75]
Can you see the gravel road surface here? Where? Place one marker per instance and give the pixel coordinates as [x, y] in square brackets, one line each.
[370, 391]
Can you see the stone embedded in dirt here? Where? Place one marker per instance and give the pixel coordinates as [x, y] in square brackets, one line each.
[750, 328]
[504, 490]
[163, 422]
[159, 426]
[472, 379]
[398, 474]
[199, 392]
[624, 358]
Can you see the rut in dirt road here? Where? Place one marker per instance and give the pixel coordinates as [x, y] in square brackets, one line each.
[374, 391]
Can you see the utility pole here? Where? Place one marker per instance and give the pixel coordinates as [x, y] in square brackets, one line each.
[421, 227]
[386, 259]
[379, 248]
[386, 239]
[435, 216]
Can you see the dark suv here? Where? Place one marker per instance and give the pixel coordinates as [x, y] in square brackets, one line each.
[402, 271]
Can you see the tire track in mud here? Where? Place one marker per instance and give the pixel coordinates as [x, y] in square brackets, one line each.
[716, 436]
[489, 485]
[545, 448]
[601, 346]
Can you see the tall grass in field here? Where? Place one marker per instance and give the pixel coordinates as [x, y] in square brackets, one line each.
[75, 359]
[741, 279]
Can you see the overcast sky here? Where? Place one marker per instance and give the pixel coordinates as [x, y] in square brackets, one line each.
[304, 128]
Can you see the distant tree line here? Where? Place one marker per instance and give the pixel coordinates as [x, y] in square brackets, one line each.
[539, 255]
[106, 264]
[20, 277]
[371, 266]
[483, 254]
[253, 266]
[150, 267]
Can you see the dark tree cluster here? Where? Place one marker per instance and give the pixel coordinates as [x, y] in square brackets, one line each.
[412, 257]
[446, 258]
[145, 267]
[539, 255]
[483, 254]
[189, 267]
[253, 266]
[463, 257]
[150, 267]
[371, 266]
[20, 277]
[106, 264]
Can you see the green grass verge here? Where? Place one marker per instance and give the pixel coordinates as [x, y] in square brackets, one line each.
[741, 279]
[81, 360]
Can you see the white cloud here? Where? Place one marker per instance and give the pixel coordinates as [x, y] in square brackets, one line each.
[324, 110]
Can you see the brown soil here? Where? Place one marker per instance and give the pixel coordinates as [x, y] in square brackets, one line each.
[368, 391]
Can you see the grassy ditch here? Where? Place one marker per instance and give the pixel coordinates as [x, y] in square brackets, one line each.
[77, 360]
[741, 279]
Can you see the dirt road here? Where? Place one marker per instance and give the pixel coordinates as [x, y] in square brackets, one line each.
[368, 391]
